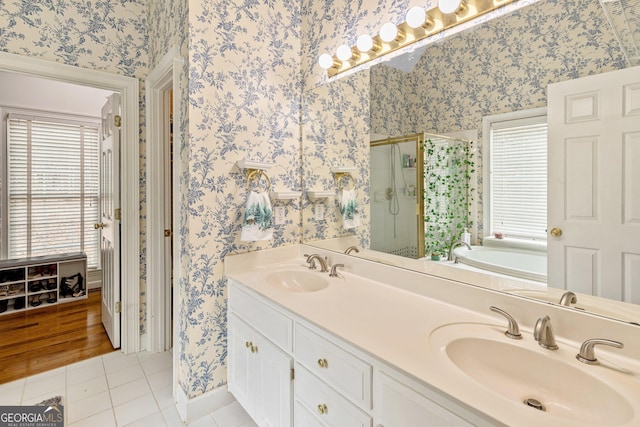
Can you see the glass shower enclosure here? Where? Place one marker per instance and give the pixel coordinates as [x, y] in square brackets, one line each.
[396, 195]
[421, 193]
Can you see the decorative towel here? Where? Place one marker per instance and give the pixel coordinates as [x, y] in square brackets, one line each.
[258, 218]
[349, 209]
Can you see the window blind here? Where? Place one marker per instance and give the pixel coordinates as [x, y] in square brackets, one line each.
[518, 174]
[53, 187]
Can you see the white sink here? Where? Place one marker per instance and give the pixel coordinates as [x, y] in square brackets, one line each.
[297, 281]
[520, 370]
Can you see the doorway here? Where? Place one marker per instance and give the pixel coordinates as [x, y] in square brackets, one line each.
[163, 90]
[127, 88]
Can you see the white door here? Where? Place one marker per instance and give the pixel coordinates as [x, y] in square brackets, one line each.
[110, 218]
[594, 185]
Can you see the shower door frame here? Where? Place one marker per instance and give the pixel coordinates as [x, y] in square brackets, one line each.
[418, 138]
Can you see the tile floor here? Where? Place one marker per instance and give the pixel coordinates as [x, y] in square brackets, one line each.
[116, 390]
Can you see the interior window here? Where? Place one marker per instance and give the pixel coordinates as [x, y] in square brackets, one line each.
[516, 183]
[52, 194]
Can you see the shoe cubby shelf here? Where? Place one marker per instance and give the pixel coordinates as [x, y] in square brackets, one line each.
[36, 282]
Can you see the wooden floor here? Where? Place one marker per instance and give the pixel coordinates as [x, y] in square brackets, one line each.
[35, 341]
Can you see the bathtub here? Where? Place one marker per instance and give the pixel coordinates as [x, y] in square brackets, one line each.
[531, 265]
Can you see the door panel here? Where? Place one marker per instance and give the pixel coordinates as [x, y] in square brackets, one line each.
[594, 184]
[110, 219]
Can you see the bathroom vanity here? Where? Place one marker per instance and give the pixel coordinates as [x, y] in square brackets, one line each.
[383, 346]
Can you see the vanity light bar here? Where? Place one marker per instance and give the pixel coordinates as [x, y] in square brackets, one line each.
[370, 48]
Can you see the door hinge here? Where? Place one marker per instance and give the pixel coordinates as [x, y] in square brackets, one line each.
[167, 233]
[117, 214]
[118, 307]
[293, 374]
[117, 121]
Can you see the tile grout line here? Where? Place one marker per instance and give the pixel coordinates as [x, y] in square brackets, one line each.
[153, 394]
[106, 380]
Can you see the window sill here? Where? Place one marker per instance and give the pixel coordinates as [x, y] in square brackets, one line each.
[513, 243]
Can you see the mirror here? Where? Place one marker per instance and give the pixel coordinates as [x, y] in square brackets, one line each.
[446, 88]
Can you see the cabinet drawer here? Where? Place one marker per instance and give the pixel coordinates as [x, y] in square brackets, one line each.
[402, 405]
[265, 319]
[313, 396]
[339, 368]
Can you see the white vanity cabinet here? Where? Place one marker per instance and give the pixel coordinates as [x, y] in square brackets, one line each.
[334, 385]
[259, 374]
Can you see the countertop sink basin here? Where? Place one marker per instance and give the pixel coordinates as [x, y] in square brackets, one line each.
[525, 374]
[297, 281]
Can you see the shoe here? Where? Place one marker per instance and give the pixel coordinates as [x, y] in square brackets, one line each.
[35, 300]
[75, 283]
[51, 284]
[4, 290]
[35, 287]
[18, 304]
[16, 288]
[65, 290]
[3, 305]
[52, 298]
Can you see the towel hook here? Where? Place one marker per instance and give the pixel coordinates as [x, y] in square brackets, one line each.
[255, 174]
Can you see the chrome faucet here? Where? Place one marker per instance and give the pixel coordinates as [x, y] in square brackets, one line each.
[352, 249]
[568, 298]
[587, 353]
[455, 245]
[311, 259]
[334, 272]
[543, 333]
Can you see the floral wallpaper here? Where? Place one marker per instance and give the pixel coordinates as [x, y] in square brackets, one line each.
[330, 139]
[108, 35]
[390, 110]
[243, 102]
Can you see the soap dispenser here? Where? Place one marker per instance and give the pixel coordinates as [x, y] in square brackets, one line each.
[466, 237]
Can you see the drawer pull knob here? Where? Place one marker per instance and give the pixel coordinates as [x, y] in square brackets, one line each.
[254, 349]
[322, 409]
[323, 363]
[248, 344]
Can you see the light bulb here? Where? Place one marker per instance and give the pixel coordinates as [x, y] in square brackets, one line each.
[388, 32]
[344, 52]
[325, 61]
[416, 16]
[364, 43]
[448, 6]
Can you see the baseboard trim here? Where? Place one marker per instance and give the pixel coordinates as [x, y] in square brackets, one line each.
[191, 410]
[144, 342]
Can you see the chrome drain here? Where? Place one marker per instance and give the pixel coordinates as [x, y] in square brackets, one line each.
[534, 403]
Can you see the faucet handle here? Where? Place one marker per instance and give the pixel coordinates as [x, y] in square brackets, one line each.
[512, 331]
[334, 272]
[587, 349]
[311, 261]
[568, 298]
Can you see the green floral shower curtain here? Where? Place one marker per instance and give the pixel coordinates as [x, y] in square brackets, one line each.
[448, 165]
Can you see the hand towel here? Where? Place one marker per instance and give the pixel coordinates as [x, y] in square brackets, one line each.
[349, 209]
[258, 218]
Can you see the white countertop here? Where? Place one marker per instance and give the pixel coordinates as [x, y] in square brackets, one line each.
[394, 325]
